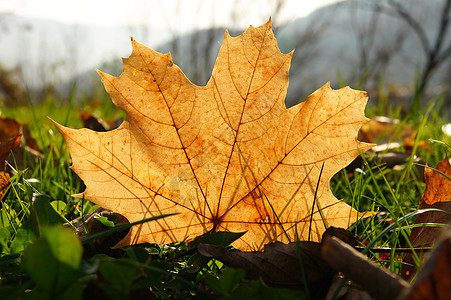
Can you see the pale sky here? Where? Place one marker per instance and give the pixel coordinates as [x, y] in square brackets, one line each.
[175, 14]
[152, 22]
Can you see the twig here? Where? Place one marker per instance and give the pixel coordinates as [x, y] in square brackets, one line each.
[379, 282]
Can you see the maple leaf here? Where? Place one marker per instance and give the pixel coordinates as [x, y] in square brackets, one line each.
[228, 156]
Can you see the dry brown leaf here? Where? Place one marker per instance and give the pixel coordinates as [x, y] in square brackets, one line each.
[5, 182]
[16, 137]
[29, 140]
[10, 138]
[434, 278]
[382, 130]
[97, 124]
[389, 134]
[278, 265]
[437, 194]
[228, 156]
[438, 187]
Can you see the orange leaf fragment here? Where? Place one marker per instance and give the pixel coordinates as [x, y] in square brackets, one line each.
[438, 187]
[10, 138]
[434, 278]
[228, 156]
[5, 182]
[437, 194]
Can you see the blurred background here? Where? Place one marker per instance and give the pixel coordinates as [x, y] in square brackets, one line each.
[397, 50]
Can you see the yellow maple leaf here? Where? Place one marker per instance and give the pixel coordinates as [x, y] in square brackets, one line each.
[228, 156]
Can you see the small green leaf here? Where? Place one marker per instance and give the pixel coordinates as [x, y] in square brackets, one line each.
[5, 237]
[226, 283]
[44, 211]
[230, 278]
[121, 227]
[6, 218]
[120, 273]
[105, 221]
[54, 261]
[139, 254]
[26, 234]
[42, 214]
[58, 206]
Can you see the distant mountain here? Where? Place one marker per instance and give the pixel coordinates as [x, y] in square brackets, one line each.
[347, 39]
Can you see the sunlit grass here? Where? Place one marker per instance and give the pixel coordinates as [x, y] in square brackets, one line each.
[393, 192]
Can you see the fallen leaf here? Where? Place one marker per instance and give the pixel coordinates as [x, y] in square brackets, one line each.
[343, 234]
[5, 182]
[10, 138]
[93, 123]
[395, 142]
[9, 127]
[16, 137]
[410, 142]
[29, 140]
[434, 278]
[98, 124]
[438, 187]
[437, 194]
[383, 130]
[228, 156]
[89, 225]
[278, 264]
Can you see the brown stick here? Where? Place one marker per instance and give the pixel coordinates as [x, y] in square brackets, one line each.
[379, 282]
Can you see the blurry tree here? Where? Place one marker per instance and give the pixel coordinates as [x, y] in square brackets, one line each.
[373, 55]
[305, 41]
[74, 53]
[11, 93]
[435, 48]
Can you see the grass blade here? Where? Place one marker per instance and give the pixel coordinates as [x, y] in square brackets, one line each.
[121, 227]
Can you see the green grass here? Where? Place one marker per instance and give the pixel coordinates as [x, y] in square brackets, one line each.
[43, 261]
